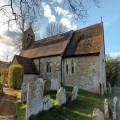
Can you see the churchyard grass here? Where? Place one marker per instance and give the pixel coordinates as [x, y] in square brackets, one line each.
[81, 109]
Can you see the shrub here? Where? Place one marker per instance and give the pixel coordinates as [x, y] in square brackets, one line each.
[4, 75]
[15, 76]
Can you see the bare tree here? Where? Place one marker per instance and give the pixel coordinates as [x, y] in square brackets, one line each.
[54, 28]
[32, 8]
[7, 55]
[26, 12]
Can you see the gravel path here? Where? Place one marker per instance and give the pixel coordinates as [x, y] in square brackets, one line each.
[8, 105]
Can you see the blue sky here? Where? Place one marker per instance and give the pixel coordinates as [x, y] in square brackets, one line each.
[111, 19]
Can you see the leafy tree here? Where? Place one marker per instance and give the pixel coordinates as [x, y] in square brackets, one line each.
[112, 67]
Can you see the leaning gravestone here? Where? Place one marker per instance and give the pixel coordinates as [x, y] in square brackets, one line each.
[34, 98]
[61, 96]
[97, 114]
[47, 103]
[1, 88]
[24, 93]
[106, 110]
[74, 93]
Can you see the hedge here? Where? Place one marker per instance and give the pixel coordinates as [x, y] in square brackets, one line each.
[15, 76]
[4, 75]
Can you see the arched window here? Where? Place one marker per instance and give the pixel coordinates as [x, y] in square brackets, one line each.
[66, 68]
[48, 67]
[72, 66]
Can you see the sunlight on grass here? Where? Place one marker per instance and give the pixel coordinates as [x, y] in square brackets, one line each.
[81, 109]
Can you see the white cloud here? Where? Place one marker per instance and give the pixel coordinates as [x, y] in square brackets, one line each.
[63, 12]
[59, 1]
[48, 13]
[68, 24]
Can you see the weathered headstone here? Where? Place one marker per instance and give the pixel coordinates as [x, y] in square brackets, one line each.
[97, 114]
[1, 88]
[61, 96]
[115, 104]
[47, 85]
[109, 89]
[47, 103]
[54, 84]
[24, 93]
[34, 98]
[106, 109]
[74, 93]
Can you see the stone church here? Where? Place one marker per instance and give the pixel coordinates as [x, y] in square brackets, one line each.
[75, 58]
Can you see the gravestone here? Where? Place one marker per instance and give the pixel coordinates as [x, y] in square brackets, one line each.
[47, 103]
[106, 109]
[61, 96]
[47, 85]
[54, 84]
[1, 88]
[34, 98]
[74, 93]
[109, 88]
[24, 93]
[115, 104]
[97, 114]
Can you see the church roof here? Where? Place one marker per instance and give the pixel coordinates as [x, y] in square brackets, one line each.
[27, 63]
[86, 41]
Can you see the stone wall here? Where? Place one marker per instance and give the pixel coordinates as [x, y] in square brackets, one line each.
[86, 73]
[102, 67]
[54, 61]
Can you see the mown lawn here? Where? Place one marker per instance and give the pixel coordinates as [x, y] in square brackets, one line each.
[81, 109]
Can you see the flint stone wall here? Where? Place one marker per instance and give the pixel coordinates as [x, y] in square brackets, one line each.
[34, 97]
[86, 73]
[55, 62]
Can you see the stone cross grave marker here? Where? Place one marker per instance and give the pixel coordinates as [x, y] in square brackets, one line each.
[61, 96]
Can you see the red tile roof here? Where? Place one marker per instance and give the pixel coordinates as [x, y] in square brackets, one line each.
[48, 47]
[85, 41]
[82, 42]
